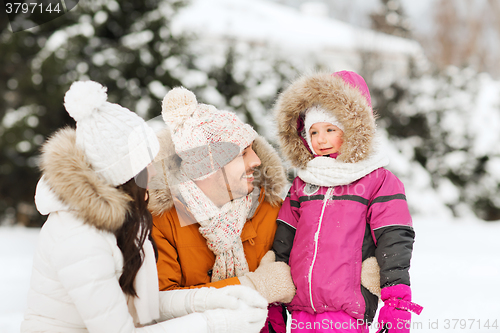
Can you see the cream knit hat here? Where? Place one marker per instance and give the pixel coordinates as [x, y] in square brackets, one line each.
[317, 114]
[118, 143]
[205, 138]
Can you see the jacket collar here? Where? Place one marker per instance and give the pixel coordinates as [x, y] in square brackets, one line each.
[69, 183]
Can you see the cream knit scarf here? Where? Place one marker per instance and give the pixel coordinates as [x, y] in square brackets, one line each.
[221, 227]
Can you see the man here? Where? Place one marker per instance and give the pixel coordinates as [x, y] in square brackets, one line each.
[215, 200]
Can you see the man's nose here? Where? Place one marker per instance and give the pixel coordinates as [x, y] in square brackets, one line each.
[253, 160]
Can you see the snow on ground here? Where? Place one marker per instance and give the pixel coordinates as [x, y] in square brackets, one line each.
[17, 246]
[455, 272]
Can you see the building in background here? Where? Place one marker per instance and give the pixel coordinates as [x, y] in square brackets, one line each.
[306, 36]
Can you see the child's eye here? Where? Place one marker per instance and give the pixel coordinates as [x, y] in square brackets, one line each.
[314, 133]
[331, 130]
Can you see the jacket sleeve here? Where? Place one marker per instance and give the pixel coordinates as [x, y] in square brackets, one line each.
[192, 323]
[287, 220]
[392, 229]
[393, 253]
[168, 265]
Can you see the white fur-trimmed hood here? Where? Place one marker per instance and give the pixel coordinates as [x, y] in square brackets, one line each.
[270, 174]
[73, 182]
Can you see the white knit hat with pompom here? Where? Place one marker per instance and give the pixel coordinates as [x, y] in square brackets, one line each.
[117, 143]
[205, 138]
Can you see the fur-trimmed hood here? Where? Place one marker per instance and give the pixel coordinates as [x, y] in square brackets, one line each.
[269, 175]
[68, 177]
[332, 93]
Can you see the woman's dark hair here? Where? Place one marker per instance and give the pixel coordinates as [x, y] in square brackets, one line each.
[133, 233]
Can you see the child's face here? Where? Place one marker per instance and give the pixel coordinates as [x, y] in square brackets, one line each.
[326, 138]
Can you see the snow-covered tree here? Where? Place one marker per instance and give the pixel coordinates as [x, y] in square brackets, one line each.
[249, 81]
[448, 122]
[130, 48]
[127, 46]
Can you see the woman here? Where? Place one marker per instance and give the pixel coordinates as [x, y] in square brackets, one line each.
[94, 269]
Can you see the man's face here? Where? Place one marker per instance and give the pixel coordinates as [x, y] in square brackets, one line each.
[237, 176]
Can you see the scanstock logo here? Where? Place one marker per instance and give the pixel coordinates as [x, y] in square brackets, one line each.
[27, 14]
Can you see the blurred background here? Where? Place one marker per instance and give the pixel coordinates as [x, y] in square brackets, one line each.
[431, 65]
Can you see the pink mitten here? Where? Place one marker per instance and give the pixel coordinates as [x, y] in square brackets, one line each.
[395, 316]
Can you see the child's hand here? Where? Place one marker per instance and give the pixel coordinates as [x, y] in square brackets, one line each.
[395, 316]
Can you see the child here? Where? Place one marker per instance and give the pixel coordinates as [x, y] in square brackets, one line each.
[343, 208]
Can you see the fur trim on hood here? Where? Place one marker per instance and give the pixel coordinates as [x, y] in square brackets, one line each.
[76, 185]
[269, 175]
[345, 102]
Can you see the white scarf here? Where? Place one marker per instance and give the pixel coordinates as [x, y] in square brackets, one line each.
[221, 227]
[327, 171]
[147, 302]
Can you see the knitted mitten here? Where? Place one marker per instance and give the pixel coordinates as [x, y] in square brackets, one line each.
[395, 316]
[271, 279]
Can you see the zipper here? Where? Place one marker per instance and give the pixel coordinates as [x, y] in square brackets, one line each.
[316, 239]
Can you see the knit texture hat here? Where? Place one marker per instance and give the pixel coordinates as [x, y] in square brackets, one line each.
[117, 143]
[314, 115]
[205, 138]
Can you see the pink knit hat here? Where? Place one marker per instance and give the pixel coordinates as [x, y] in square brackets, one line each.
[205, 138]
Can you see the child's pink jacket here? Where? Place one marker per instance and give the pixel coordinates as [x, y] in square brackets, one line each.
[335, 230]
[339, 211]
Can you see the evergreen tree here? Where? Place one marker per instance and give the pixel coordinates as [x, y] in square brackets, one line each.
[127, 46]
[249, 81]
[435, 118]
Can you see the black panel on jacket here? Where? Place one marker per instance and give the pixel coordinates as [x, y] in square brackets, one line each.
[283, 241]
[394, 248]
[371, 302]
[368, 249]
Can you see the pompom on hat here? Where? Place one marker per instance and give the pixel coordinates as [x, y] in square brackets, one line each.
[117, 143]
[205, 138]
